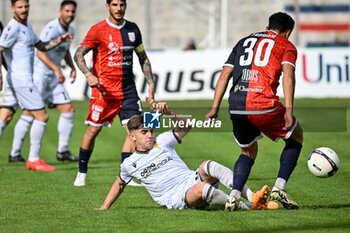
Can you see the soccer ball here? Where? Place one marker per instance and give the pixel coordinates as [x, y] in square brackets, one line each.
[323, 162]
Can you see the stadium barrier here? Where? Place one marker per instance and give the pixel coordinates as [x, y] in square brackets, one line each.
[320, 73]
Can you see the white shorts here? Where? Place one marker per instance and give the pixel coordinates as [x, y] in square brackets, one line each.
[7, 98]
[176, 198]
[51, 90]
[29, 98]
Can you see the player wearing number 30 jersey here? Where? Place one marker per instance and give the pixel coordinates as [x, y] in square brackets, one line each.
[257, 61]
[256, 65]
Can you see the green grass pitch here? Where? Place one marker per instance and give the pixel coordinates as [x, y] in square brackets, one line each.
[48, 202]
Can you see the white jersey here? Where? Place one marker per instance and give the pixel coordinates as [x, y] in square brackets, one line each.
[52, 30]
[161, 171]
[19, 41]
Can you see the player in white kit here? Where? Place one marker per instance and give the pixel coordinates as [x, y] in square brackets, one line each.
[17, 44]
[168, 179]
[8, 103]
[48, 78]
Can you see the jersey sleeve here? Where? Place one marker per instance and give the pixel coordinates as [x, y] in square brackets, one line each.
[231, 59]
[138, 36]
[91, 39]
[46, 33]
[290, 55]
[168, 139]
[9, 36]
[124, 174]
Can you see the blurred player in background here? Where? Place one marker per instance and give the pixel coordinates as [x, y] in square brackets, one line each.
[49, 79]
[17, 43]
[168, 179]
[113, 42]
[7, 101]
[255, 65]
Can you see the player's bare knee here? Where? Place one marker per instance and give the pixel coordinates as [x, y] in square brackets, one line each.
[44, 117]
[203, 166]
[198, 190]
[248, 152]
[298, 135]
[92, 132]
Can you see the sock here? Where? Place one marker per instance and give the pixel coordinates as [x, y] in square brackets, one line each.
[224, 175]
[213, 196]
[288, 159]
[125, 155]
[36, 137]
[84, 157]
[20, 132]
[247, 193]
[240, 174]
[64, 128]
[280, 183]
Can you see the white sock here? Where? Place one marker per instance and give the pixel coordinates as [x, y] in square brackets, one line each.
[281, 183]
[236, 193]
[214, 196]
[2, 126]
[64, 128]
[36, 136]
[225, 176]
[20, 132]
[247, 193]
[222, 173]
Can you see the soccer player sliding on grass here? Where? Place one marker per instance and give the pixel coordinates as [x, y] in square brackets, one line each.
[168, 179]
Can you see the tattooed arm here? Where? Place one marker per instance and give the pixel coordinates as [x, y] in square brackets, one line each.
[45, 46]
[92, 80]
[147, 70]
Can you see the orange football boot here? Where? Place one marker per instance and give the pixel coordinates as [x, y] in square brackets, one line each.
[40, 166]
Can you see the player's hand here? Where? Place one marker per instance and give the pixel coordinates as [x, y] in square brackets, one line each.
[161, 107]
[93, 81]
[288, 119]
[211, 115]
[59, 75]
[73, 75]
[65, 38]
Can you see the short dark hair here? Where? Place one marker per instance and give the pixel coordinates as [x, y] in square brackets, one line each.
[14, 1]
[68, 2]
[281, 21]
[109, 1]
[135, 122]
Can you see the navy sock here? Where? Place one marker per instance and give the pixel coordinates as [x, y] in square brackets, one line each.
[84, 156]
[289, 158]
[241, 171]
[124, 155]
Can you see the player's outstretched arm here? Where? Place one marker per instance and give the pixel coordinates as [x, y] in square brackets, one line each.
[181, 129]
[220, 90]
[114, 193]
[48, 45]
[147, 71]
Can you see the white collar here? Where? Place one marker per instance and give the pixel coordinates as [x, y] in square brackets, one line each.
[115, 26]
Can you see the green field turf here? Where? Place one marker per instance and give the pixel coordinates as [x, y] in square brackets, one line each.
[48, 202]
